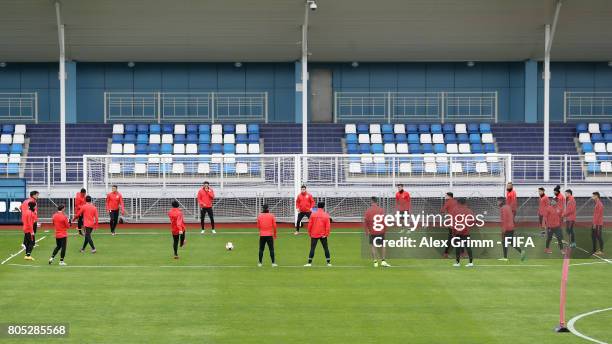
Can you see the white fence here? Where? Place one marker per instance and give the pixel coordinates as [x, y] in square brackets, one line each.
[415, 106]
[587, 106]
[185, 106]
[19, 107]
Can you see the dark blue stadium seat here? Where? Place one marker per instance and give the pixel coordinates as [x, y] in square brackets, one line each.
[191, 138]
[388, 138]
[582, 128]
[485, 128]
[436, 128]
[155, 129]
[216, 148]
[242, 138]
[253, 128]
[129, 129]
[377, 148]
[423, 128]
[117, 138]
[476, 148]
[363, 128]
[142, 138]
[204, 148]
[364, 148]
[352, 148]
[401, 138]
[16, 148]
[168, 129]
[204, 137]
[597, 137]
[474, 138]
[204, 128]
[606, 128]
[603, 157]
[253, 138]
[351, 138]
[489, 148]
[427, 148]
[412, 128]
[387, 128]
[448, 128]
[8, 128]
[608, 137]
[450, 138]
[229, 128]
[142, 148]
[462, 138]
[142, 128]
[129, 138]
[473, 128]
[415, 148]
[179, 138]
[192, 128]
[154, 148]
[413, 138]
[439, 148]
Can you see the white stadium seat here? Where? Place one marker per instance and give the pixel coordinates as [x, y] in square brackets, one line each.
[179, 148]
[452, 148]
[366, 158]
[229, 138]
[350, 129]
[166, 159]
[379, 159]
[430, 167]
[464, 148]
[438, 138]
[242, 148]
[14, 159]
[217, 158]
[117, 128]
[203, 168]
[364, 138]
[460, 128]
[242, 168]
[154, 138]
[402, 148]
[178, 168]
[20, 129]
[114, 168]
[6, 139]
[376, 138]
[129, 148]
[405, 167]
[590, 157]
[179, 129]
[229, 159]
[481, 167]
[3, 158]
[425, 138]
[429, 157]
[167, 138]
[487, 138]
[116, 148]
[191, 148]
[216, 129]
[599, 147]
[594, 128]
[19, 138]
[241, 128]
[389, 148]
[606, 167]
[153, 160]
[584, 137]
[609, 146]
[456, 167]
[254, 148]
[492, 157]
[374, 128]
[441, 158]
[140, 168]
[399, 129]
[354, 167]
[216, 138]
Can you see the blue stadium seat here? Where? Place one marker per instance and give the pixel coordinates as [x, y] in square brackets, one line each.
[423, 128]
[608, 137]
[387, 128]
[168, 129]
[417, 165]
[142, 138]
[593, 167]
[427, 148]
[12, 168]
[253, 138]
[364, 148]
[401, 138]
[142, 128]
[450, 138]
[377, 148]
[473, 128]
[352, 148]
[180, 138]
[462, 138]
[439, 148]
[606, 128]
[603, 157]
[597, 137]
[242, 138]
[130, 129]
[16, 148]
[413, 138]
[191, 138]
[253, 128]
[117, 138]
[448, 128]
[485, 128]
[204, 128]
[204, 137]
[166, 148]
[436, 128]
[415, 148]
[388, 138]
[489, 148]
[129, 138]
[474, 138]
[476, 148]
[442, 168]
[154, 148]
[216, 148]
[351, 138]
[582, 128]
[587, 147]
[412, 129]
[142, 148]
[192, 129]
[229, 148]
[363, 128]
[229, 128]
[8, 128]
[155, 129]
[204, 148]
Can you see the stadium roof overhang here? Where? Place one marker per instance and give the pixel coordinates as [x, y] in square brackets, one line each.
[340, 30]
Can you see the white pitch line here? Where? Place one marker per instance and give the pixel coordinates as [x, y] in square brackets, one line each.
[572, 322]
[589, 263]
[15, 254]
[585, 251]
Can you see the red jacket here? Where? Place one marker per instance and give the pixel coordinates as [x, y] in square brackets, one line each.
[449, 206]
[24, 207]
[570, 209]
[319, 224]
[543, 204]
[205, 198]
[511, 200]
[560, 202]
[402, 201]
[552, 216]
[114, 200]
[266, 223]
[598, 213]
[90, 215]
[28, 218]
[368, 220]
[61, 224]
[79, 201]
[464, 230]
[506, 217]
[304, 202]
[177, 221]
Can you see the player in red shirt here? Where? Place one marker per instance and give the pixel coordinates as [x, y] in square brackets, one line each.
[90, 221]
[543, 202]
[461, 230]
[61, 225]
[266, 223]
[402, 199]
[506, 219]
[450, 203]
[559, 198]
[318, 229]
[28, 218]
[570, 216]
[114, 202]
[79, 201]
[304, 202]
[24, 207]
[177, 226]
[511, 198]
[206, 196]
[375, 234]
[552, 219]
[596, 230]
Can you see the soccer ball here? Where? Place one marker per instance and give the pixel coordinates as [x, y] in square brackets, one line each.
[229, 246]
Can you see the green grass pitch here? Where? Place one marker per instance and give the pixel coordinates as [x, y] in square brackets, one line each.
[132, 291]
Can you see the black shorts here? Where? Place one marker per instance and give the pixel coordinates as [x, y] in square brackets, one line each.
[375, 236]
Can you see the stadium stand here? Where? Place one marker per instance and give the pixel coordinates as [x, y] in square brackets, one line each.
[595, 142]
[12, 148]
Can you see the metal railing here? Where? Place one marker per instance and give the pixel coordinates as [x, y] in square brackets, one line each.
[587, 106]
[415, 106]
[19, 107]
[185, 106]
